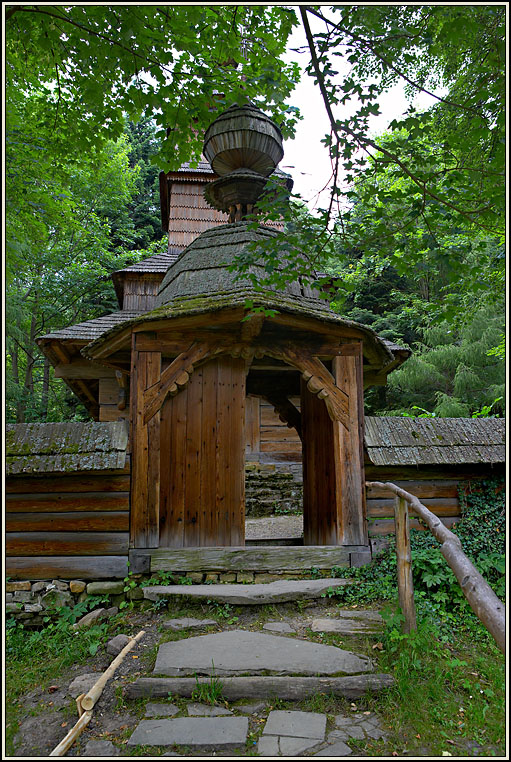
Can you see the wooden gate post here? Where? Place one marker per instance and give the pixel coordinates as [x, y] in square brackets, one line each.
[404, 564]
[145, 452]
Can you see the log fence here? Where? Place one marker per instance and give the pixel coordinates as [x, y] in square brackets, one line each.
[484, 602]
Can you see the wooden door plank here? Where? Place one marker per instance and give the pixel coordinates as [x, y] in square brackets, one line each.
[193, 460]
[237, 454]
[208, 518]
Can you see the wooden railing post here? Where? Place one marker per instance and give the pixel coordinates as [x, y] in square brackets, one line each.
[483, 601]
[404, 565]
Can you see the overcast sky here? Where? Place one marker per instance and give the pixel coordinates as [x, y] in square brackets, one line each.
[305, 157]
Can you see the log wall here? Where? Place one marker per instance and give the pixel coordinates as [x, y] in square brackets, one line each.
[67, 526]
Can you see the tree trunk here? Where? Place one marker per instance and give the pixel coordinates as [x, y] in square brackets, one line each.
[46, 389]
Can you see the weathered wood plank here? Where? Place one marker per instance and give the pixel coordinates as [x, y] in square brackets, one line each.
[291, 448]
[67, 567]
[349, 458]
[252, 427]
[108, 391]
[279, 434]
[193, 449]
[387, 526]
[447, 488]
[173, 535]
[251, 558]
[66, 543]
[440, 506]
[108, 413]
[95, 482]
[237, 454]
[80, 521]
[90, 501]
[83, 369]
[208, 517]
[404, 565]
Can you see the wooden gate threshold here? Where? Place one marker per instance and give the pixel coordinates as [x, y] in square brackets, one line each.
[259, 558]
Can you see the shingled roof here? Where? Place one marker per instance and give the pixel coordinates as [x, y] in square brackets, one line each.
[393, 441]
[92, 329]
[37, 448]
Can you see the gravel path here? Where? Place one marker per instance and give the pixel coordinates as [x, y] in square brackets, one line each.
[274, 528]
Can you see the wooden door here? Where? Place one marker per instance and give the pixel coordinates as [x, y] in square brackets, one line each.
[202, 483]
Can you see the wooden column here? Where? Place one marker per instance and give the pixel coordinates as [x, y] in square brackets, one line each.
[145, 445]
[203, 459]
[333, 463]
[349, 452]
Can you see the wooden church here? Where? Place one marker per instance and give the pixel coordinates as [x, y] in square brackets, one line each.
[188, 369]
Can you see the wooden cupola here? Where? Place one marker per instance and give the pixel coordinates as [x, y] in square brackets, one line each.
[195, 357]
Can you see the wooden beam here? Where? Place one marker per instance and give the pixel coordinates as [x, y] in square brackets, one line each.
[286, 411]
[82, 369]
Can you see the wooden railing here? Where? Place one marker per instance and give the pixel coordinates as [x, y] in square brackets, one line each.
[483, 601]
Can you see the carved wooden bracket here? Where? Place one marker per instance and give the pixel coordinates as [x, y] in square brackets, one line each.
[286, 411]
[174, 378]
[319, 381]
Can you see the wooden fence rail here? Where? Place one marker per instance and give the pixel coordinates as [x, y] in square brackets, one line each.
[483, 601]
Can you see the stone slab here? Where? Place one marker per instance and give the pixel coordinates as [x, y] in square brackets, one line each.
[203, 710]
[238, 652]
[155, 709]
[254, 707]
[220, 732]
[249, 595]
[296, 724]
[279, 627]
[187, 623]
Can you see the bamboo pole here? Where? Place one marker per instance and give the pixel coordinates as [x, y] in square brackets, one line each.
[90, 698]
[485, 604]
[404, 564]
[71, 737]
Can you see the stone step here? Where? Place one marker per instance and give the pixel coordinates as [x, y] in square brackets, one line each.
[262, 686]
[257, 594]
[244, 652]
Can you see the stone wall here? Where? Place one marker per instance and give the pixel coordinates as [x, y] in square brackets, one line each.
[273, 489]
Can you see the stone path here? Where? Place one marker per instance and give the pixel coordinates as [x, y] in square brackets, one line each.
[243, 655]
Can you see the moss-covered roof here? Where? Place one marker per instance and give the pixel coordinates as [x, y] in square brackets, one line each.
[35, 448]
[200, 282]
[393, 441]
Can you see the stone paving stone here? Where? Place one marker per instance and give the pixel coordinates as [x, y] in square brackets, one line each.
[203, 710]
[291, 747]
[295, 724]
[154, 709]
[187, 623]
[338, 749]
[268, 746]
[240, 652]
[278, 627]
[83, 683]
[100, 748]
[220, 732]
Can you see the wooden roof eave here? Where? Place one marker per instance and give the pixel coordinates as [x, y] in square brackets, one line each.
[56, 352]
[117, 338]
